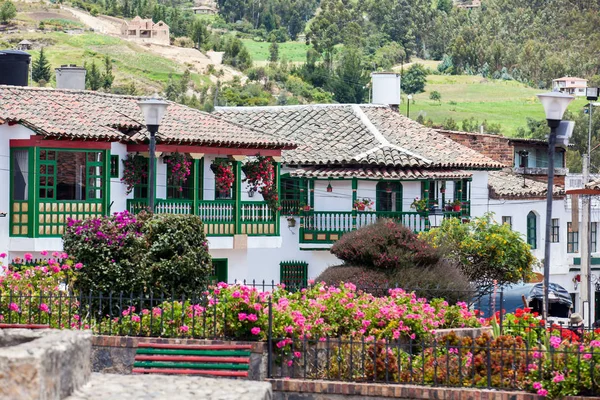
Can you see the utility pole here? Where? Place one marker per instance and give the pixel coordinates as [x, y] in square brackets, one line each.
[584, 292]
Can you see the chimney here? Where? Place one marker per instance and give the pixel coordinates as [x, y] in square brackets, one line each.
[386, 88]
[70, 77]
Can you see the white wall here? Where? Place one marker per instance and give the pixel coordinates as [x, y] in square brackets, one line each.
[340, 199]
[118, 189]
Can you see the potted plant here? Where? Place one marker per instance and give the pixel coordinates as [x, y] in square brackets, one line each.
[291, 221]
[448, 206]
[419, 205]
[456, 205]
[363, 205]
[224, 176]
[304, 207]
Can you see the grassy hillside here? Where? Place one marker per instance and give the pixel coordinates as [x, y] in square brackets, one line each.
[292, 51]
[508, 103]
[130, 61]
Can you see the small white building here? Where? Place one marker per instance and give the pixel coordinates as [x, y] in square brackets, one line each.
[570, 85]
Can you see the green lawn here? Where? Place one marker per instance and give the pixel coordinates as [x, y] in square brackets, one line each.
[508, 103]
[292, 51]
[130, 61]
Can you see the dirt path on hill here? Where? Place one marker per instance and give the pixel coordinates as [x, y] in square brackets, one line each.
[99, 25]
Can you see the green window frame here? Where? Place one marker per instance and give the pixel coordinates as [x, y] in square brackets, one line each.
[293, 195]
[188, 187]
[555, 236]
[219, 270]
[114, 166]
[572, 239]
[293, 274]
[532, 230]
[507, 220]
[388, 196]
[594, 237]
[141, 191]
[226, 196]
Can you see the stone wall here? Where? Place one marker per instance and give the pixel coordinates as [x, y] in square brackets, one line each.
[43, 364]
[116, 354]
[495, 147]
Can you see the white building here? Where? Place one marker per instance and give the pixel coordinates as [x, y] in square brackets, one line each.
[570, 85]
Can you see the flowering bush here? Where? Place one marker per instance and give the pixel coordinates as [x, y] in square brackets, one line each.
[260, 176]
[419, 205]
[224, 176]
[179, 168]
[135, 170]
[385, 245]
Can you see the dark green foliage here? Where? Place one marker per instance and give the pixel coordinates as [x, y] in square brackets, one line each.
[274, 52]
[40, 69]
[125, 253]
[93, 77]
[236, 54]
[7, 11]
[199, 33]
[108, 77]
[349, 82]
[435, 96]
[414, 79]
[177, 253]
[360, 276]
[385, 245]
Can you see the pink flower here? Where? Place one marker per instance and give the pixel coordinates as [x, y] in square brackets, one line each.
[135, 318]
[28, 257]
[252, 318]
[242, 316]
[558, 378]
[555, 341]
[542, 392]
[78, 266]
[44, 253]
[587, 356]
[288, 329]
[289, 363]
[236, 295]
[537, 385]
[297, 354]
[13, 307]
[255, 330]
[44, 308]
[595, 343]
[2, 255]
[184, 328]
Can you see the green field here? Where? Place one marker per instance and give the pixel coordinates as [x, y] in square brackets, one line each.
[508, 103]
[130, 61]
[291, 51]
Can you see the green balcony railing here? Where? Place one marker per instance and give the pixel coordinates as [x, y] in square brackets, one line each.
[220, 217]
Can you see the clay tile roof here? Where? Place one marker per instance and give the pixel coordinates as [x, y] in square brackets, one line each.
[508, 185]
[376, 173]
[593, 185]
[357, 134]
[87, 115]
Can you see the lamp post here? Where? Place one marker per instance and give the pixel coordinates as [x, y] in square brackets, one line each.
[154, 110]
[586, 284]
[409, 97]
[555, 104]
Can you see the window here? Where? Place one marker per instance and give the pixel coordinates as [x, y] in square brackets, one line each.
[114, 166]
[70, 175]
[572, 239]
[594, 236]
[508, 221]
[532, 230]
[20, 174]
[180, 190]
[140, 191]
[219, 270]
[227, 194]
[292, 196]
[554, 238]
[389, 196]
[293, 274]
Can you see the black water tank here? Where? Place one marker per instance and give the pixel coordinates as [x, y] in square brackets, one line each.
[14, 67]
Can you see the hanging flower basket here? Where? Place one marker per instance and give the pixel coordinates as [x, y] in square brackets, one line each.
[135, 170]
[180, 168]
[224, 176]
[260, 177]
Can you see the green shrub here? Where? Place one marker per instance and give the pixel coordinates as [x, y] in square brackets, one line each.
[142, 253]
[360, 276]
[384, 245]
[177, 253]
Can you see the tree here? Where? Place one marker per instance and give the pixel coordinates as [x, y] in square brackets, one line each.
[108, 77]
[40, 69]
[435, 96]
[274, 52]
[487, 252]
[237, 55]
[93, 77]
[199, 33]
[414, 79]
[349, 82]
[7, 11]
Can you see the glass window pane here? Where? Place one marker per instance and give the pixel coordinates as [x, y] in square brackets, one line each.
[71, 176]
[20, 167]
[42, 193]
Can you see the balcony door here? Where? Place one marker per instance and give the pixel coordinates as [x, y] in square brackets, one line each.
[389, 196]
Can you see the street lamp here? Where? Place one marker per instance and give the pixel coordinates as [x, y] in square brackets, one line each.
[154, 110]
[409, 97]
[555, 104]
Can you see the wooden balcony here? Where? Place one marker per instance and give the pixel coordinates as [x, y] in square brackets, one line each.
[220, 217]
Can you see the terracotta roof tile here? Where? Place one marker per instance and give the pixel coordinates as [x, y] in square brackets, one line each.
[353, 134]
[80, 114]
[376, 173]
[507, 185]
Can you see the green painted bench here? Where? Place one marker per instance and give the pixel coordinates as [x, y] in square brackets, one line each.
[184, 359]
